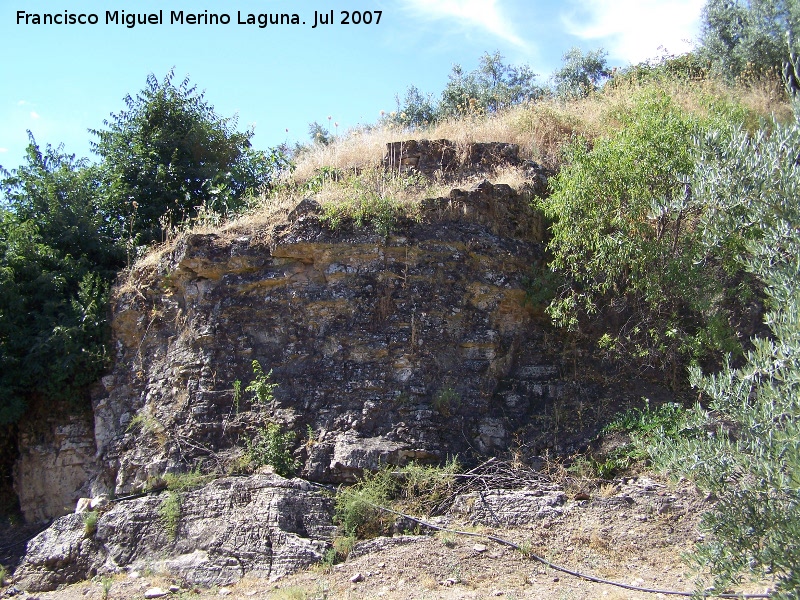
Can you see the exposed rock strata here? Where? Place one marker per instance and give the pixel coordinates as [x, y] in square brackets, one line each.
[418, 345]
[56, 460]
[262, 525]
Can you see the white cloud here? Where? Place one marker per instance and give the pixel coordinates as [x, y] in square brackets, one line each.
[2, 150]
[633, 30]
[477, 13]
[34, 114]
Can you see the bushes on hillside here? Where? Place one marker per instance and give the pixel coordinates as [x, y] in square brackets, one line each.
[743, 444]
[67, 226]
[745, 38]
[57, 257]
[626, 243]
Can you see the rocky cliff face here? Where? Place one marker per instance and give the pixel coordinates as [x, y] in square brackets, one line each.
[418, 345]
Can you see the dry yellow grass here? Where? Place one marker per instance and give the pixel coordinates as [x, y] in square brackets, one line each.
[541, 129]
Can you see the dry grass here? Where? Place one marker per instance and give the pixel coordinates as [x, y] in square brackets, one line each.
[541, 129]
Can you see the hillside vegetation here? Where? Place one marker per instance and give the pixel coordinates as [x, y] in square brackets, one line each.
[673, 244]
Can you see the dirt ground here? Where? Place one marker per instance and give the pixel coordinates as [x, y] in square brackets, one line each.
[632, 531]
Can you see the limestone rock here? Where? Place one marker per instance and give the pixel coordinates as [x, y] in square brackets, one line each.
[509, 507]
[364, 335]
[262, 525]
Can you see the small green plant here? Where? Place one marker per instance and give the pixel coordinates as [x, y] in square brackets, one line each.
[170, 513]
[338, 552]
[106, 583]
[446, 402]
[90, 523]
[448, 539]
[272, 446]
[643, 426]
[291, 593]
[237, 395]
[183, 482]
[145, 423]
[3, 575]
[311, 436]
[356, 509]
[260, 387]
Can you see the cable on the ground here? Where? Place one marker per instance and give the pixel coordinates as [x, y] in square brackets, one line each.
[556, 567]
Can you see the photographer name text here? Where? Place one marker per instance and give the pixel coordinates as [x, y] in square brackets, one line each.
[181, 17]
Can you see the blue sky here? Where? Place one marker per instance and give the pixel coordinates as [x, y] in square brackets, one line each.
[60, 80]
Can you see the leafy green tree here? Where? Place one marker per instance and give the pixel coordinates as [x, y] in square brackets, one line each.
[57, 257]
[493, 86]
[743, 444]
[319, 135]
[415, 110]
[625, 243]
[749, 36]
[169, 153]
[581, 73]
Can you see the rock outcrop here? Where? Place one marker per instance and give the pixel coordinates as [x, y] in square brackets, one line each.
[418, 345]
[261, 525]
[56, 460]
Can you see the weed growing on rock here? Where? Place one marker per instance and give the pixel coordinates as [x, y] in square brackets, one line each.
[237, 394]
[414, 488]
[145, 423]
[170, 513]
[183, 482]
[106, 583]
[272, 446]
[446, 401]
[260, 387]
[3, 575]
[338, 552]
[356, 509]
[90, 523]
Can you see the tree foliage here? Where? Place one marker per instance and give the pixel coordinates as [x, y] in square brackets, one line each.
[67, 225]
[169, 153]
[493, 86]
[581, 73]
[57, 256]
[749, 37]
[744, 443]
[625, 242]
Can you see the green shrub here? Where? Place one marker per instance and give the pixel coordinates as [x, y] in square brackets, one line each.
[413, 489]
[170, 512]
[745, 449]
[625, 242]
[644, 426]
[272, 446]
[356, 509]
